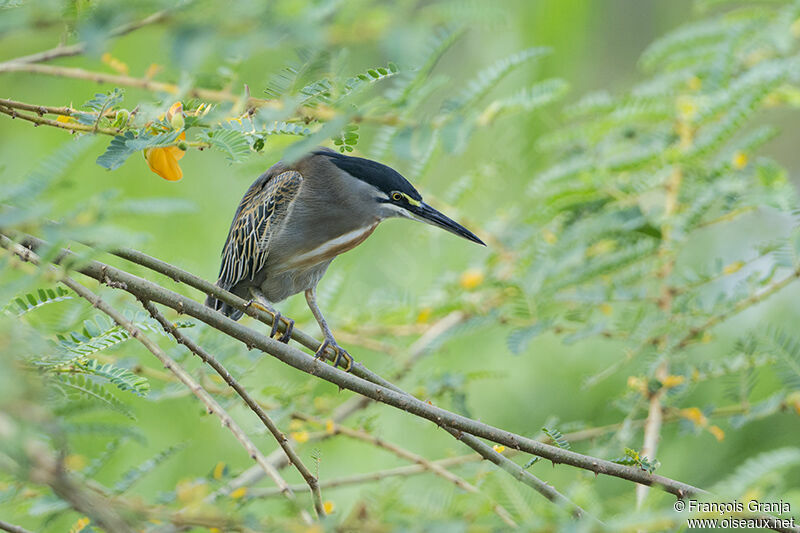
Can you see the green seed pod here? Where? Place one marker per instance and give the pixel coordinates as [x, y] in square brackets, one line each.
[121, 118]
[177, 121]
[183, 146]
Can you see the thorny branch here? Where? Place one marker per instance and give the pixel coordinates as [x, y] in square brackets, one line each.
[294, 459]
[211, 404]
[366, 383]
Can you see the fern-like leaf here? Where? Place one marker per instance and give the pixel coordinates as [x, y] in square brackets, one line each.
[29, 302]
[79, 386]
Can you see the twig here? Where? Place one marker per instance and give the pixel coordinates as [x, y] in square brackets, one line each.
[11, 528]
[71, 126]
[739, 307]
[79, 48]
[235, 385]
[40, 110]
[357, 479]
[130, 81]
[418, 459]
[693, 332]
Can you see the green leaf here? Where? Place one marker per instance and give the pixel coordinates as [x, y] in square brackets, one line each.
[79, 386]
[138, 472]
[749, 473]
[232, 143]
[117, 151]
[124, 379]
[491, 76]
[519, 339]
[557, 437]
[29, 302]
[105, 101]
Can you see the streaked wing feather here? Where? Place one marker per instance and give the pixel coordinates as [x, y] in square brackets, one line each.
[262, 209]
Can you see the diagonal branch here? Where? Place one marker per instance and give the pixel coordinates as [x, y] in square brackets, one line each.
[235, 385]
[438, 470]
[379, 390]
[11, 528]
[211, 404]
[457, 425]
[79, 48]
[487, 452]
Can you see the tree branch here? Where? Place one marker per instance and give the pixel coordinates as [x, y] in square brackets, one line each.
[377, 390]
[235, 385]
[70, 126]
[440, 471]
[211, 404]
[11, 528]
[79, 48]
[458, 425]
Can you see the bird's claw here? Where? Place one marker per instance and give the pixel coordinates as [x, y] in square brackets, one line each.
[277, 318]
[340, 354]
[287, 334]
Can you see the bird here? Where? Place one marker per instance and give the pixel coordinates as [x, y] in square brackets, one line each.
[297, 217]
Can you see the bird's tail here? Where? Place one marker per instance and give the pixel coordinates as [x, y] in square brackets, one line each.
[223, 308]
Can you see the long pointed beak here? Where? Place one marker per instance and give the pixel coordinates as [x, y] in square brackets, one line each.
[429, 215]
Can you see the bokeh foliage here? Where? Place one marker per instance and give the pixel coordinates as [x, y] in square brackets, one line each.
[642, 246]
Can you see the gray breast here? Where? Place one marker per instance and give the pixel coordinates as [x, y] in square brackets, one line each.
[332, 213]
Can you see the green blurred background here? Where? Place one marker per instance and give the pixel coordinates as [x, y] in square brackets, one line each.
[596, 45]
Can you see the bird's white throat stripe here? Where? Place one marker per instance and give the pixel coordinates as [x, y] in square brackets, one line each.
[333, 247]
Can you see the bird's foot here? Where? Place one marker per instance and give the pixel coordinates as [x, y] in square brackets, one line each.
[252, 303]
[277, 318]
[340, 354]
[287, 333]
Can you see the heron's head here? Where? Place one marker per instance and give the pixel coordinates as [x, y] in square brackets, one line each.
[394, 195]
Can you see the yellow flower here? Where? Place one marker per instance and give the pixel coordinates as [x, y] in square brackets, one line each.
[739, 160]
[75, 462]
[471, 279]
[191, 491]
[115, 63]
[424, 315]
[606, 309]
[328, 506]
[794, 400]
[717, 432]
[694, 415]
[300, 436]
[164, 160]
[330, 427]
[64, 119]
[499, 448]
[687, 108]
[152, 70]
[239, 493]
[219, 470]
[79, 525]
[295, 424]
[672, 381]
[694, 83]
[733, 268]
[637, 383]
[549, 236]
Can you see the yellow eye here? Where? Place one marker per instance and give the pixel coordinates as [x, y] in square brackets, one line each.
[396, 196]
